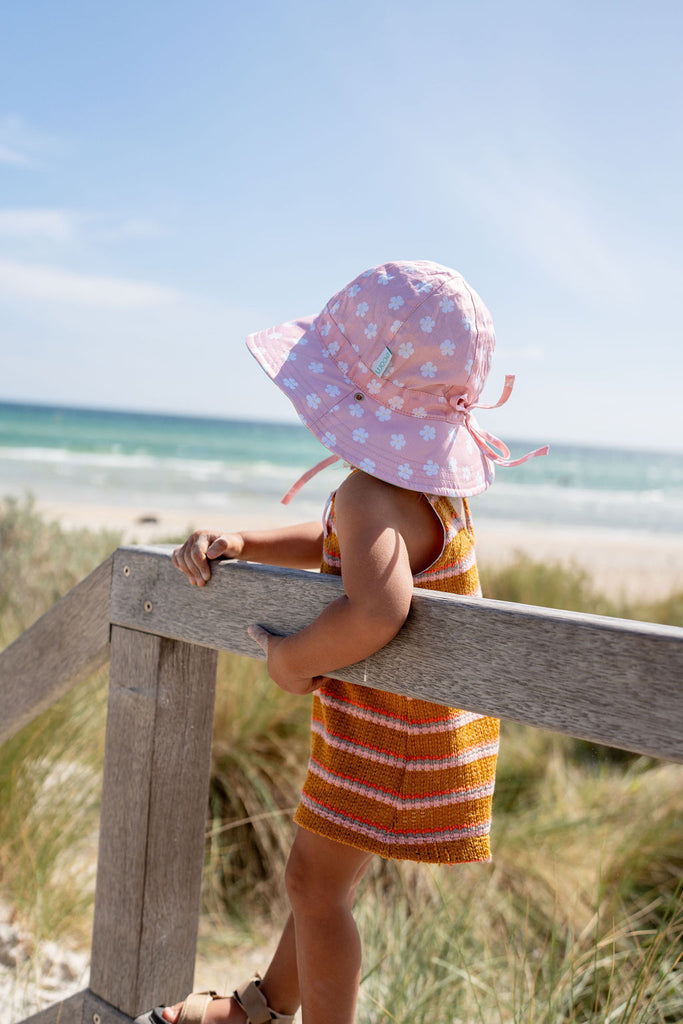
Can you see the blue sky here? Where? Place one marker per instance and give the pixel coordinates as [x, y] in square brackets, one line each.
[174, 175]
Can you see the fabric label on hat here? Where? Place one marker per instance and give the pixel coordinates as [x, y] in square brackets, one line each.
[382, 363]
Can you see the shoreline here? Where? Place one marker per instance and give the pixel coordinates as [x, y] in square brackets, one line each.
[621, 564]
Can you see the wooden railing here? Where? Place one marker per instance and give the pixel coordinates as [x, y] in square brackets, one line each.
[612, 681]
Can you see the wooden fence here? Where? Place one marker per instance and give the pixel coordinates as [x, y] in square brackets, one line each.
[608, 680]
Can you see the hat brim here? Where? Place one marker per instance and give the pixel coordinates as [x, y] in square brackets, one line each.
[429, 454]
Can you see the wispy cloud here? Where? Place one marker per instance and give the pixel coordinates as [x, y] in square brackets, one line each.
[14, 157]
[55, 225]
[40, 283]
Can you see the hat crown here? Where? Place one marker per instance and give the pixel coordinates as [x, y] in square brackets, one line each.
[436, 328]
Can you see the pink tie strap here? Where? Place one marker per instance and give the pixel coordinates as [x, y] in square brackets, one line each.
[295, 488]
[492, 447]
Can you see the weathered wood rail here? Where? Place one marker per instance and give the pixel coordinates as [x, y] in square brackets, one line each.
[608, 680]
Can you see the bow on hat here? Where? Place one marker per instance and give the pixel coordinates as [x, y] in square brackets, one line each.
[492, 447]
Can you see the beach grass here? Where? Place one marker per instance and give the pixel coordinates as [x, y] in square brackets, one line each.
[578, 918]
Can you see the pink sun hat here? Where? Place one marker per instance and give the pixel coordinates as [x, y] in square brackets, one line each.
[387, 377]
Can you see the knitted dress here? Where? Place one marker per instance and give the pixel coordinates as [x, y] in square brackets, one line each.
[392, 775]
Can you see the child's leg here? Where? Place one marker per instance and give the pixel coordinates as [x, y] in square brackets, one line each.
[321, 882]
[322, 876]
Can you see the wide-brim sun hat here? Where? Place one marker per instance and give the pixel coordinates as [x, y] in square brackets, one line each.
[388, 374]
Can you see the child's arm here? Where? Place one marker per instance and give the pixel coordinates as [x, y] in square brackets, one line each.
[373, 521]
[294, 547]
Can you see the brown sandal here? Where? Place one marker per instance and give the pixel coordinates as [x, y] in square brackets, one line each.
[193, 1011]
[254, 1004]
[249, 997]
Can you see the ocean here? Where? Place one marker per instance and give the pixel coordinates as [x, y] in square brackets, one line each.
[103, 457]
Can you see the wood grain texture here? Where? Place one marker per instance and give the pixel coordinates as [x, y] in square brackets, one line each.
[612, 681]
[67, 1011]
[154, 806]
[59, 650]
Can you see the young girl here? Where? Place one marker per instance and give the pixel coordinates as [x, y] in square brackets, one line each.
[387, 377]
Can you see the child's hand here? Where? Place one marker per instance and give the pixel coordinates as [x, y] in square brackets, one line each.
[270, 643]
[200, 547]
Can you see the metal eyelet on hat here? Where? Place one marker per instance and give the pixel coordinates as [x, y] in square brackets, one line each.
[358, 396]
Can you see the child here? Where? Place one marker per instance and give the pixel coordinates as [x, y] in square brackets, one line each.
[387, 377]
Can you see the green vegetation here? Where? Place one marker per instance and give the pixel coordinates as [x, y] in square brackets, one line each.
[578, 918]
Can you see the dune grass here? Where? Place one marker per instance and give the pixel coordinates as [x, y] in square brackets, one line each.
[577, 919]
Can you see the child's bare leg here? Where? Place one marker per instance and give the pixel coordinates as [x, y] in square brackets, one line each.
[322, 876]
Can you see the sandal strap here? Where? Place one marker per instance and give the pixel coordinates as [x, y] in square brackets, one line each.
[195, 1006]
[254, 1004]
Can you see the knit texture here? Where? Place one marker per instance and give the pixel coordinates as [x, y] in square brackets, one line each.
[403, 778]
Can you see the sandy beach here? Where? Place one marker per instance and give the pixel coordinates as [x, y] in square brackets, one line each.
[621, 563]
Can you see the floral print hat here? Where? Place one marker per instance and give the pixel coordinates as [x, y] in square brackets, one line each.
[387, 376]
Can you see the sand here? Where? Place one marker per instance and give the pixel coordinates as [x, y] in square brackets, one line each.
[626, 565]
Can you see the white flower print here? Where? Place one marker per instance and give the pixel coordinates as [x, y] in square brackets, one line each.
[371, 331]
[329, 439]
[332, 390]
[398, 441]
[396, 402]
[290, 383]
[341, 329]
[291, 358]
[360, 435]
[353, 290]
[383, 414]
[466, 472]
[428, 432]
[315, 367]
[428, 370]
[362, 367]
[404, 471]
[344, 367]
[446, 305]
[385, 278]
[447, 347]
[467, 322]
[396, 301]
[374, 386]
[355, 409]
[406, 349]
[335, 308]
[398, 383]
[325, 330]
[396, 326]
[427, 324]
[425, 287]
[468, 366]
[431, 468]
[361, 309]
[367, 465]
[313, 401]
[333, 348]
[420, 412]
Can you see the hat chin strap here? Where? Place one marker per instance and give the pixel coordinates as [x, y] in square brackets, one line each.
[295, 488]
[491, 446]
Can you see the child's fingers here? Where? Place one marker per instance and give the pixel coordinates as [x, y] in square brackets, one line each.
[217, 547]
[260, 635]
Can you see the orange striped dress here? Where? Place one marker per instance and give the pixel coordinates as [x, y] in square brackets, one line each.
[403, 778]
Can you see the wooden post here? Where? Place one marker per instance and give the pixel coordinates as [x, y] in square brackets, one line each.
[154, 809]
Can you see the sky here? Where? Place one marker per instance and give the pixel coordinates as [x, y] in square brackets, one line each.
[175, 175]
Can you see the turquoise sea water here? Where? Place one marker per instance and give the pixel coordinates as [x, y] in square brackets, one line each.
[123, 458]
